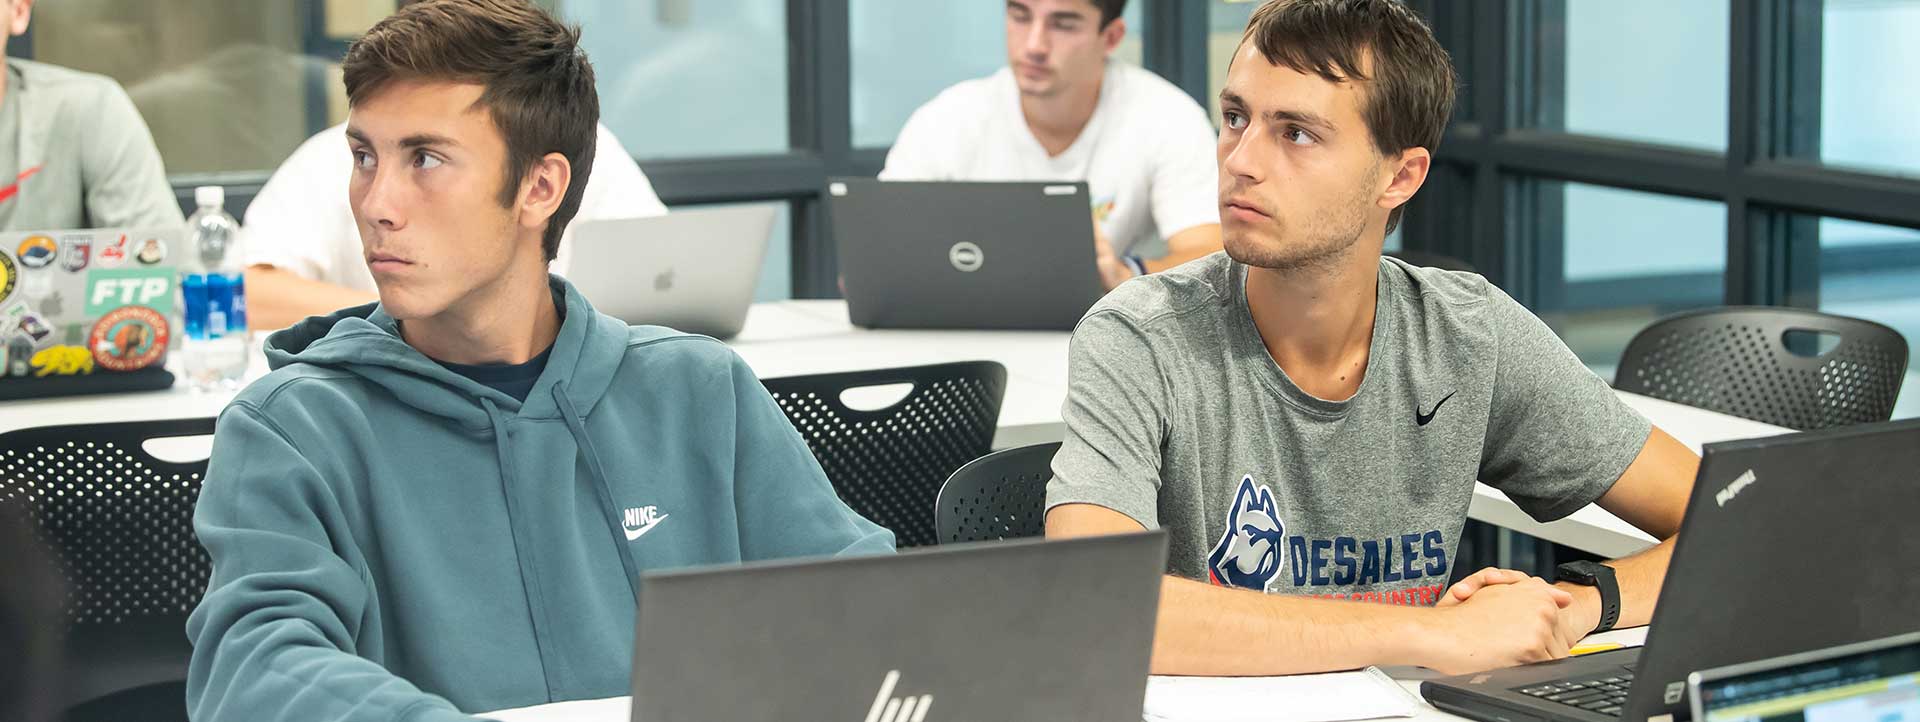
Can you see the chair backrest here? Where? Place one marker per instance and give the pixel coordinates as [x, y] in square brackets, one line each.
[887, 464]
[120, 524]
[1741, 361]
[1002, 495]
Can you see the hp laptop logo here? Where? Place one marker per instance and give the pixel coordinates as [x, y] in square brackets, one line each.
[887, 708]
[966, 257]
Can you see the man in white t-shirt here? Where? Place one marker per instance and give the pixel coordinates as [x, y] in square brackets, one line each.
[1063, 110]
[303, 250]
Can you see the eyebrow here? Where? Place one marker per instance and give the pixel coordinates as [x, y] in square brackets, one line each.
[1295, 116]
[1055, 15]
[417, 140]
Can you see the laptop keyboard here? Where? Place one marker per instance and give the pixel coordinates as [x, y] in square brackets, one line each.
[1603, 694]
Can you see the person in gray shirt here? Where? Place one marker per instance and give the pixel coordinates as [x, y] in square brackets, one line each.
[74, 152]
[1307, 418]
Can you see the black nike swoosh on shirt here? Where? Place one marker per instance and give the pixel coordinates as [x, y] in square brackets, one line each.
[1422, 419]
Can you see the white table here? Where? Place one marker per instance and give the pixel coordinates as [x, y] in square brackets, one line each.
[617, 709]
[791, 338]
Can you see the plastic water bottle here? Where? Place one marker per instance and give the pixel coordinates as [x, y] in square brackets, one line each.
[214, 293]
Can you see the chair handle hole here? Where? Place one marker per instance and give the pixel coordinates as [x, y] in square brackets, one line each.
[875, 398]
[180, 449]
[1808, 343]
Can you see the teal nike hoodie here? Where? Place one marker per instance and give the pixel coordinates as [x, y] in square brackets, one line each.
[392, 541]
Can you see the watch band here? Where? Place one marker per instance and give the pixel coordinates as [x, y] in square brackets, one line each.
[1133, 262]
[1600, 577]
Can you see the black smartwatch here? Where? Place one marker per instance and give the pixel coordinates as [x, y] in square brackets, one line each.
[1598, 576]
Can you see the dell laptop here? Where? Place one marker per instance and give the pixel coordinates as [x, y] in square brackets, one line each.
[1034, 630]
[1789, 543]
[1877, 681]
[693, 270]
[964, 255]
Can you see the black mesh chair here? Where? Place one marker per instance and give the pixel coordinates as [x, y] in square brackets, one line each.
[888, 463]
[120, 525]
[1743, 361]
[1002, 495]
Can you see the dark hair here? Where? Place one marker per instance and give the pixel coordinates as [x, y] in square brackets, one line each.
[539, 85]
[1411, 93]
[1109, 10]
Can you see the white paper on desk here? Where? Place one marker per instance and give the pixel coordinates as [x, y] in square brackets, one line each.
[1337, 697]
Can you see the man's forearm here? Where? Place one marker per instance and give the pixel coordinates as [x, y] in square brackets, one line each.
[1273, 634]
[1187, 245]
[1639, 577]
[276, 298]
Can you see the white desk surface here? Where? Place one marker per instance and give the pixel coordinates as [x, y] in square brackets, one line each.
[618, 709]
[789, 338]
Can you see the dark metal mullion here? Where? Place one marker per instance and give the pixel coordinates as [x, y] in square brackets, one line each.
[1175, 44]
[819, 54]
[1492, 250]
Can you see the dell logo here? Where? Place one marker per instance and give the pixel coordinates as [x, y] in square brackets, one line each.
[1734, 489]
[966, 257]
[887, 708]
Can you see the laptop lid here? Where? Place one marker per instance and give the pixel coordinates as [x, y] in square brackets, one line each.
[691, 270]
[964, 255]
[1790, 543]
[77, 305]
[1058, 630]
[1878, 681]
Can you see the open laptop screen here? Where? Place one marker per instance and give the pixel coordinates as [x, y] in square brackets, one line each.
[1873, 682]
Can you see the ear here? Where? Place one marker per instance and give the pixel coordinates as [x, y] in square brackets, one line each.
[1244, 498]
[1113, 33]
[18, 20]
[1409, 173]
[1266, 502]
[542, 189]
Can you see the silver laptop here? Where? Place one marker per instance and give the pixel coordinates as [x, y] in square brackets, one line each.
[964, 255]
[1876, 681]
[692, 270]
[1031, 630]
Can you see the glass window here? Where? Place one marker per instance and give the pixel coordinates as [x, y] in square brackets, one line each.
[1872, 271]
[904, 53]
[1610, 261]
[1226, 23]
[223, 85]
[680, 78]
[1866, 117]
[776, 271]
[1653, 71]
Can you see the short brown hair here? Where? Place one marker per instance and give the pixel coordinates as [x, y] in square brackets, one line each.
[1110, 10]
[1412, 81]
[539, 85]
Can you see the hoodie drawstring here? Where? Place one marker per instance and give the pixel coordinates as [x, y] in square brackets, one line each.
[578, 426]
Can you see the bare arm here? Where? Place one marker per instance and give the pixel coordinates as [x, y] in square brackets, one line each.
[1652, 496]
[1187, 245]
[278, 298]
[1206, 630]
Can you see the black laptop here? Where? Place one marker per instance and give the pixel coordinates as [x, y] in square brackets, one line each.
[957, 255]
[1790, 543]
[1034, 630]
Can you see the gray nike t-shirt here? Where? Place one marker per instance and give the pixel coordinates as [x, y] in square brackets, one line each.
[1177, 417]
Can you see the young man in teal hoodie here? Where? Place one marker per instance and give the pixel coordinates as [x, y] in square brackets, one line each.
[442, 503]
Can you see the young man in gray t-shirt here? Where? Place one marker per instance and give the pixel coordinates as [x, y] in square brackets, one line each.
[1308, 419]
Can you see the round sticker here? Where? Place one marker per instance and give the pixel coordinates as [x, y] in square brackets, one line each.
[151, 251]
[8, 275]
[37, 251]
[129, 338]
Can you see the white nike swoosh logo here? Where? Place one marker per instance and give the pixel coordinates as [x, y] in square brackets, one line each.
[633, 534]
